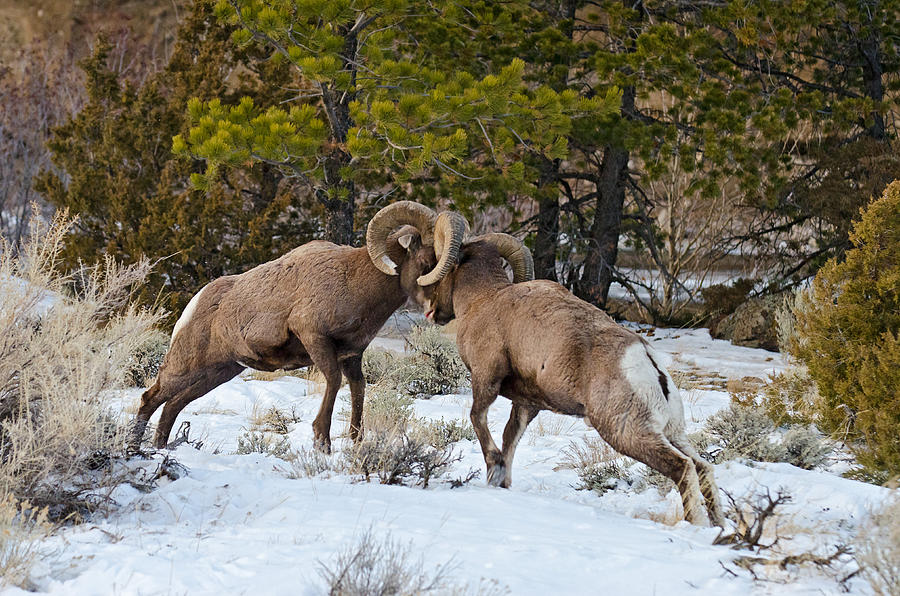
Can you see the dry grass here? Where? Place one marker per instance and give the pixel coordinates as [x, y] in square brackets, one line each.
[588, 453]
[308, 373]
[65, 342]
[253, 441]
[21, 530]
[272, 419]
[442, 433]
[374, 566]
[669, 516]
[878, 549]
[550, 424]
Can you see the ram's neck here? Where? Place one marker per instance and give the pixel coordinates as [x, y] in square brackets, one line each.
[477, 280]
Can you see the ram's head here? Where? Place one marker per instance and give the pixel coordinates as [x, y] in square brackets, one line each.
[416, 243]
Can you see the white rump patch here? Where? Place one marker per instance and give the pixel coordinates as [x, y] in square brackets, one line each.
[640, 372]
[186, 315]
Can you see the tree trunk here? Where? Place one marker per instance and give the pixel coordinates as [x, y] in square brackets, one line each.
[546, 242]
[339, 194]
[603, 241]
[339, 221]
[339, 198]
[873, 70]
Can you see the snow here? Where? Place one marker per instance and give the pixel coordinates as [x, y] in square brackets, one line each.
[237, 524]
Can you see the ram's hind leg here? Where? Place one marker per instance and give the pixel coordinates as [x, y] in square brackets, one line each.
[651, 447]
[519, 418]
[192, 385]
[707, 481]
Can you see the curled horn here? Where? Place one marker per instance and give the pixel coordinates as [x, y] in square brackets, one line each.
[389, 219]
[516, 253]
[449, 231]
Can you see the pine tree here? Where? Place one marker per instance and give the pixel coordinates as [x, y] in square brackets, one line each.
[133, 198]
[377, 109]
[836, 61]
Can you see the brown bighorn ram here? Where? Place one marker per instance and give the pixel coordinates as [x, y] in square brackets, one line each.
[544, 349]
[319, 304]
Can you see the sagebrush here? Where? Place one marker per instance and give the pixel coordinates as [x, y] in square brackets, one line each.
[65, 342]
[432, 366]
[22, 528]
[381, 567]
[747, 431]
[878, 549]
[254, 441]
[143, 364]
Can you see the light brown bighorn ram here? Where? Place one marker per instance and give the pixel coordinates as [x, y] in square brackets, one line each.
[544, 349]
[319, 304]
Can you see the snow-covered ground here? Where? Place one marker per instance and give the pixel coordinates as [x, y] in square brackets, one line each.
[237, 524]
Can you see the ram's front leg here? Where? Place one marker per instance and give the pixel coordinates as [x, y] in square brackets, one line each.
[483, 395]
[321, 351]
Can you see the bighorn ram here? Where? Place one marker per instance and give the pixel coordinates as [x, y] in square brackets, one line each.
[544, 349]
[319, 304]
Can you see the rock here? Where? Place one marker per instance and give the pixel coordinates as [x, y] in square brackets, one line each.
[752, 324]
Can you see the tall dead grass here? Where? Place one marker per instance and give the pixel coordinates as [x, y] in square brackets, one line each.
[878, 549]
[21, 530]
[65, 341]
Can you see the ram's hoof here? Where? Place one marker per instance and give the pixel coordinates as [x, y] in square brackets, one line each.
[496, 475]
[323, 445]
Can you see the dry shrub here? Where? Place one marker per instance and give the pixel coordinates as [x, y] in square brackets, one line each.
[253, 441]
[397, 457]
[143, 364]
[603, 477]
[64, 344]
[306, 463]
[590, 451]
[878, 550]
[273, 420]
[378, 364]
[21, 530]
[381, 567]
[650, 478]
[805, 447]
[435, 365]
[442, 433]
[742, 431]
[385, 409]
[598, 466]
[746, 431]
[396, 447]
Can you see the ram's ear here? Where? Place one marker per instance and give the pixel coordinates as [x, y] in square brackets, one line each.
[406, 240]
